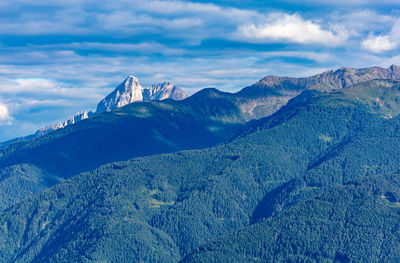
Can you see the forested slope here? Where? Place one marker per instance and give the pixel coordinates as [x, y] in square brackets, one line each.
[322, 168]
[203, 120]
[138, 129]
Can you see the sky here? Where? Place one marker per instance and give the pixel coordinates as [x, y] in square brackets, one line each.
[60, 57]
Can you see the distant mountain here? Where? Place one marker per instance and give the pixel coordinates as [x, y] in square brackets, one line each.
[317, 181]
[127, 92]
[138, 129]
[262, 98]
[130, 91]
[162, 91]
[277, 91]
[71, 120]
[42, 131]
[331, 80]
[205, 119]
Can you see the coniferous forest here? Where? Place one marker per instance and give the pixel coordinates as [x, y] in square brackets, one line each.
[316, 181]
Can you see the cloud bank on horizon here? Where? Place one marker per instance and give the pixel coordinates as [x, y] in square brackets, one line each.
[59, 57]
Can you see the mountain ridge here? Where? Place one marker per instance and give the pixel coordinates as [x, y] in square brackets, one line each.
[210, 115]
[277, 91]
[159, 91]
[189, 205]
[334, 79]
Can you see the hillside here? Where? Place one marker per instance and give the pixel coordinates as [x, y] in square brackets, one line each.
[323, 163]
[139, 129]
[355, 222]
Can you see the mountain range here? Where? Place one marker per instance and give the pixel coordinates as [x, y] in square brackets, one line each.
[262, 98]
[139, 129]
[128, 91]
[285, 170]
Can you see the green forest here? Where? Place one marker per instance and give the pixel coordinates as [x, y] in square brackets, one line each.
[317, 181]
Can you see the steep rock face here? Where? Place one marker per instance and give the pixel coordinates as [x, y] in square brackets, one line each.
[127, 92]
[163, 91]
[130, 91]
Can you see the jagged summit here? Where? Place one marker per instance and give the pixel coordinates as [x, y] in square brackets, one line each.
[165, 90]
[127, 92]
[79, 116]
[130, 91]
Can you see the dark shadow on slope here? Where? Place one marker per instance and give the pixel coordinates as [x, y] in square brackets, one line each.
[277, 199]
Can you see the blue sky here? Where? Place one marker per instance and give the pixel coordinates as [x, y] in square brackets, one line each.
[60, 57]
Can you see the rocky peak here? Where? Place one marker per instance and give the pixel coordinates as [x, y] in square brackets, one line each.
[127, 92]
[131, 91]
[165, 90]
[71, 120]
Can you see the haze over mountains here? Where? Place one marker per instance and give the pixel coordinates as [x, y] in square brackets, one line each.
[315, 180]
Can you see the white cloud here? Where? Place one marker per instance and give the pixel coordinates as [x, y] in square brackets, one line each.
[314, 56]
[37, 87]
[179, 19]
[378, 44]
[156, 41]
[382, 43]
[5, 117]
[293, 29]
[142, 47]
[360, 23]
[348, 2]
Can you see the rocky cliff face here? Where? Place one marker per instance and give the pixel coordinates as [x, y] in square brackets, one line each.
[127, 92]
[130, 91]
[163, 91]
